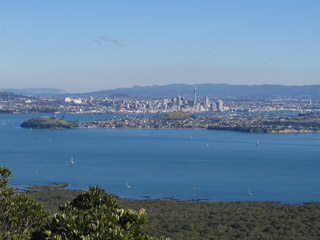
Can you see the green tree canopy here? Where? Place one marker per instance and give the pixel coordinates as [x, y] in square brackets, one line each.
[94, 214]
[19, 214]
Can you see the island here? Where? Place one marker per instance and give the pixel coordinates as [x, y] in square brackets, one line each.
[48, 123]
[251, 123]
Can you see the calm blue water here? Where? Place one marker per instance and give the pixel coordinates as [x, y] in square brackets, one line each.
[159, 163]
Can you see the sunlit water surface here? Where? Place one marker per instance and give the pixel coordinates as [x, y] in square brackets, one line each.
[185, 164]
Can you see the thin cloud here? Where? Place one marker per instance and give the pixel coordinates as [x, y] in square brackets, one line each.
[106, 38]
[97, 42]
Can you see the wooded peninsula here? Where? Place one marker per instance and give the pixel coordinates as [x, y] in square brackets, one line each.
[179, 219]
[253, 123]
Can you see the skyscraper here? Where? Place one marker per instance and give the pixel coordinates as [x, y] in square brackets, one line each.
[195, 97]
[179, 103]
[206, 102]
[220, 105]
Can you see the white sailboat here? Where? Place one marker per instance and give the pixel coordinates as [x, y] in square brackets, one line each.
[72, 161]
[127, 185]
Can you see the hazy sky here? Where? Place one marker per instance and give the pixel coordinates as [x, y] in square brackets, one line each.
[84, 45]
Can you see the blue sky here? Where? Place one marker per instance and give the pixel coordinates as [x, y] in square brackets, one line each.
[84, 45]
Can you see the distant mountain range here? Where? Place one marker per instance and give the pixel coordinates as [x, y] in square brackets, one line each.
[211, 90]
[35, 91]
[216, 90]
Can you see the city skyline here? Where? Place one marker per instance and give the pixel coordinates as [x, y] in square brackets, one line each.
[84, 46]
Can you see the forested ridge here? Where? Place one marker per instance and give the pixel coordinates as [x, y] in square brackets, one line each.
[184, 220]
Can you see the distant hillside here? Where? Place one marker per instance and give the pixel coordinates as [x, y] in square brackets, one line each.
[223, 91]
[216, 90]
[36, 91]
[8, 96]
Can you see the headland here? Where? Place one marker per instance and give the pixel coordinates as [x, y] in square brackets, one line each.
[251, 123]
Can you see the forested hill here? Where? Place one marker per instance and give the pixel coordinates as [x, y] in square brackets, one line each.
[8, 96]
[216, 90]
[35, 91]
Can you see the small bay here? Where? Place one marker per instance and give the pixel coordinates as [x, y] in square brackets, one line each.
[185, 164]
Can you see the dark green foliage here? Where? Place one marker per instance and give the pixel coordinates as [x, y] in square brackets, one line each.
[19, 214]
[181, 220]
[176, 219]
[48, 123]
[94, 215]
[52, 198]
[91, 215]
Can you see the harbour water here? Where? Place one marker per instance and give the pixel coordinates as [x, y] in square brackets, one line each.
[185, 164]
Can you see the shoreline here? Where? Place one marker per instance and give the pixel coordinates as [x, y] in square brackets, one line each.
[63, 187]
[164, 128]
[303, 123]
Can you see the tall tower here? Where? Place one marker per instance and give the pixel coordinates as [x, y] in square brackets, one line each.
[195, 97]
[220, 105]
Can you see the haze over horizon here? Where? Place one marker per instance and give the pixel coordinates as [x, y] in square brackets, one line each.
[82, 46]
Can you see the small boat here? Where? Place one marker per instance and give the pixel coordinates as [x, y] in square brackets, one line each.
[207, 145]
[72, 161]
[127, 185]
[257, 143]
[250, 193]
